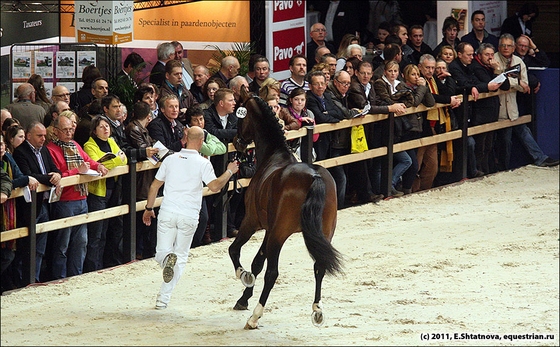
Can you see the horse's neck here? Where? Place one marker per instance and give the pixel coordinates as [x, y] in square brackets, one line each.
[269, 154]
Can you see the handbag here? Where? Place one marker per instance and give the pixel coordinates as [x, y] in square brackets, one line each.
[358, 139]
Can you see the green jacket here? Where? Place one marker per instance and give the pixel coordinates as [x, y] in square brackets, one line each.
[212, 146]
[92, 149]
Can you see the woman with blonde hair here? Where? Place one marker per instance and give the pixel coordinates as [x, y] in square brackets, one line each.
[270, 89]
[447, 54]
[324, 67]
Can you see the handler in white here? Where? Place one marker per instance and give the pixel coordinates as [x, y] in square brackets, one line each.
[183, 174]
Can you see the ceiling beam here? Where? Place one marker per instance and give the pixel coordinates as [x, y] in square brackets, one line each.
[24, 6]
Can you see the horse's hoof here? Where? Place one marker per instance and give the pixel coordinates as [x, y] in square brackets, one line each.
[239, 307]
[250, 327]
[317, 318]
[248, 279]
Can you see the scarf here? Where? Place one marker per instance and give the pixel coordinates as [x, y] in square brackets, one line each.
[442, 116]
[298, 118]
[73, 161]
[9, 211]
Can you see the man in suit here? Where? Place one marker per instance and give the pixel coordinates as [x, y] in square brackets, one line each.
[442, 86]
[180, 55]
[318, 34]
[131, 65]
[229, 68]
[165, 52]
[166, 128]
[35, 160]
[366, 178]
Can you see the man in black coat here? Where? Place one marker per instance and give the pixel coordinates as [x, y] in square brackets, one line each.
[486, 110]
[166, 128]
[35, 160]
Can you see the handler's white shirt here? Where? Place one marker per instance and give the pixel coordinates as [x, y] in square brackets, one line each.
[183, 173]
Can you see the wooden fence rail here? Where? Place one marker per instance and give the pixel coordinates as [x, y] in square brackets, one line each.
[130, 206]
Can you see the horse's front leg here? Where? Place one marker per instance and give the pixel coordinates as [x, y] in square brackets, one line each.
[317, 316]
[244, 234]
[256, 268]
[270, 277]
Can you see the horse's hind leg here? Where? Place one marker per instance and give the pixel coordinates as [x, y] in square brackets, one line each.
[256, 268]
[317, 316]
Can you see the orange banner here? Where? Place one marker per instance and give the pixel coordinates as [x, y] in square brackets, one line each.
[201, 21]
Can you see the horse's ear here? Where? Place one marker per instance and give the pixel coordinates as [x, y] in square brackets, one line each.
[244, 93]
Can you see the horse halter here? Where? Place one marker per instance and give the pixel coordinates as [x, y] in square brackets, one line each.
[240, 142]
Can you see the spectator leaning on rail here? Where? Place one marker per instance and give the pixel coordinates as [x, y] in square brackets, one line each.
[298, 70]
[34, 160]
[70, 243]
[532, 56]
[103, 243]
[460, 70]
[509, 109]
[138, 137]
[211, 146]
[485, 110]
[440, 120]
[183, 174]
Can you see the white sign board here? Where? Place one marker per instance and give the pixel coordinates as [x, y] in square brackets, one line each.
[104, 22]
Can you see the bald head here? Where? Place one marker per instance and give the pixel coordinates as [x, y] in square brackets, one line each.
[195, 137]
[60, 93]
[26, 91]
[5, 114]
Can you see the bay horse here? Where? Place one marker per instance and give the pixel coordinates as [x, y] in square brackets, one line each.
[284, 197]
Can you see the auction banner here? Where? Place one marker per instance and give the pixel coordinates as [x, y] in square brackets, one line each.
[195, 24]
[104, 22]
[286, 34]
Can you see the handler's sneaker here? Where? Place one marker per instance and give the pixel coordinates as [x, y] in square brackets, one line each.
[168, 264]
[160, 305]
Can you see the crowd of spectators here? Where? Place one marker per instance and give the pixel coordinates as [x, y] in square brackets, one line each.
[390, 70]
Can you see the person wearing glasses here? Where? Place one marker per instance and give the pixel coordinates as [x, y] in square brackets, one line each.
[510, 110]
[24, 108]
[318, 34]
[60, 93]
[103, 194]
[70, 243]
[55, 109]
[340, 139]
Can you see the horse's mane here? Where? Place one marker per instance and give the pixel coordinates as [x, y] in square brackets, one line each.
[268, 124]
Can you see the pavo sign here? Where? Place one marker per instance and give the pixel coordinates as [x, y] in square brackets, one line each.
[104, 22]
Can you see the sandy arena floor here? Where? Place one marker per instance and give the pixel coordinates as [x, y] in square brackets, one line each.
[480, 257]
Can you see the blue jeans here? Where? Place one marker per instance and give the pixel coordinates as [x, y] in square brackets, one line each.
[96, 234]
[70, 243]
[402, 163]
[526, 138]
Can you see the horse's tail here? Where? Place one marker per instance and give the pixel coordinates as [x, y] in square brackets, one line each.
[320, 249]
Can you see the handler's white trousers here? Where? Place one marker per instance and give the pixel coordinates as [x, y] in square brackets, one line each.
[174, 235]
